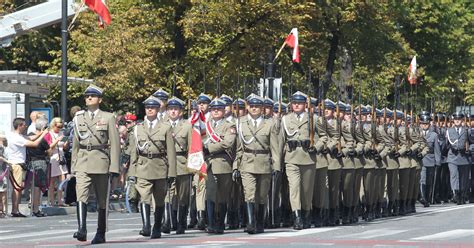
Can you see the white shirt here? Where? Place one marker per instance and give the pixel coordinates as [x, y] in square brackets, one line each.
[252, 120]
[31, 128]
[300, 116]
[153, 123]
[95, 113]
[174, 123]
[16, 150]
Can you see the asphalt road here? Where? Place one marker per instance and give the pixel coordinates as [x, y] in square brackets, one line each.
[436, 226]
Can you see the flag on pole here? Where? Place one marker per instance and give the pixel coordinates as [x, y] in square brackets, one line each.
[292, 41]
[99, 7]
[195, 154]
[412, 71]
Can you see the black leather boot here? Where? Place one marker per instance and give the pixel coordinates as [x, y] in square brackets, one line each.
[251, 220]
[101, 226]
[332, 217]
[354, 214]
[201, 224]
[378, 210]
[174, 219]
[298, 223]
[145, 213]
[166, 226]
[401, 207]
[424, 196]
[306, 219]
[220, 222]
[156, 231]
[232, 219]
[260, 218]
[182, 214]
[81, 233]
[345, 215]
[193, 218]
[211, 217]
[395, 208]
[318, 220]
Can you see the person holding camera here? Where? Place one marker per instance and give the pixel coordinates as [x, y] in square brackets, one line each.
[57, 160]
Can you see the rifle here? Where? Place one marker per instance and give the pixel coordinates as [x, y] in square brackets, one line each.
[310, 112]
[373, 124]
[339, 124]
[396, 137]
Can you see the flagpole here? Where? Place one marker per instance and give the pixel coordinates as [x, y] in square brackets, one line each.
[279, 51]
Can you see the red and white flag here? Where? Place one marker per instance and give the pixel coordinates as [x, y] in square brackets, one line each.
[99, 7]
[292, 41]
[195, 154]
[412, 71]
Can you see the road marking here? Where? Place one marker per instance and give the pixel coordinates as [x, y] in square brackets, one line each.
[26, 235]
[293, 233]
[224, 242]
[69, 235]
[257, 237]
[6, 231]
[453, 234]
[373, 233]
[423, 212]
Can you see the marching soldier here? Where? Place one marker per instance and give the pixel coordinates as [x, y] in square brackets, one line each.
[300, 159]
[154, 161]
[199, 183]
[380, 155]
[348, 163]
[405, 163]
[95, 154]
[268, 105]
[458, 158]
[163, 97]
[257, 158]
[430, 160]
[442, 187]
[181, 133]
[334, 161]
[228, 115]
[219, 149]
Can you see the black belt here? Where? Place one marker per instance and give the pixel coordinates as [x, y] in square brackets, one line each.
[246, 150]
[181, 153]
[91, 147]
[152, 155]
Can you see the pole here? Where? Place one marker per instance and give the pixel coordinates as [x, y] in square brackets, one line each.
[64, 35]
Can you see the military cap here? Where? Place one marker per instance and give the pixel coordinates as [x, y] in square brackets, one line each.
[424, 112]
[314, 101]
[152, 101]
[378, 112]
[283, 107]
[399, 114]
[441, 116]
[203, 98]
[425, 119]
[226, 99]
[458, 115]
[93, 90]
[240, 102]
[268, 102]
[253, 99]
[217, 103]
[363, 110]
[299, 97]
[161, 94]
[328, 104]
[176, 102]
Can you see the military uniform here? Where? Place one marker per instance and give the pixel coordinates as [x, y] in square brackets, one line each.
[430, 161]
[95, 154]
[181, 133]
[219, 146]
[405, 164]
[458, 159]
[154, 161]
[381, 168]
[300, 159]
[257, 157]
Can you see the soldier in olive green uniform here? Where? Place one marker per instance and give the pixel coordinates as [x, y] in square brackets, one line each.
[419, 149]
[361, 161]
[405, 163]
[367, 128]
[381, 168]
[348, 165]
[95, 154]
[257, 157]
[219, 150]
[300, 158]
[154, 161]
[181, 133]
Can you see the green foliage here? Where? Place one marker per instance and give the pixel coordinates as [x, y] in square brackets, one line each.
[201, 42]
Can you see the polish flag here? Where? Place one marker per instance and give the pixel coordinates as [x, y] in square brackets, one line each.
[195, 154]
[292, 41]
[412, 71]
[99, 7]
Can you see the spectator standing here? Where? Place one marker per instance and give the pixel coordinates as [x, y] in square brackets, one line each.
[57, 161]
[16, 155]
[3, 176]
[32, 126]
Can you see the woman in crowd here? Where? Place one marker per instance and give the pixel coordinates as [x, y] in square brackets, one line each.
[57, 160]
[3, 176]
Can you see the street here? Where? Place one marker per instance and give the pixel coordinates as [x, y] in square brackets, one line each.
[437, 226]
